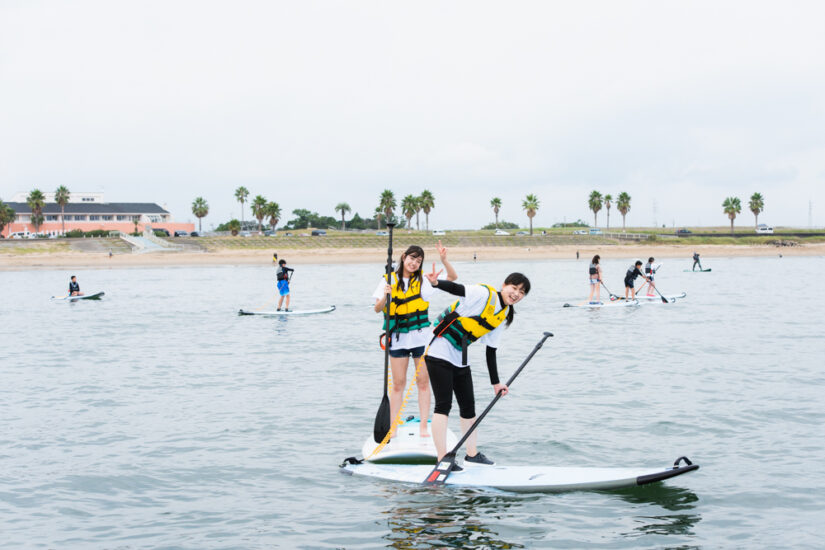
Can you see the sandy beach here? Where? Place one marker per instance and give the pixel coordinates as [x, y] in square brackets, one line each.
[57, 260]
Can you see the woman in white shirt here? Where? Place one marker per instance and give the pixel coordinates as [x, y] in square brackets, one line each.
[409, 324]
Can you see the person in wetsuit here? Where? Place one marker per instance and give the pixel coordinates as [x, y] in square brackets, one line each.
[595, 272]
[696, 262]
[480, 315]
[74, 288]
[630, 278]
[283, 275]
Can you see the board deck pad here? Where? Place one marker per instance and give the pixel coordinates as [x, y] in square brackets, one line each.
[524, 479]
[276, 313]
[407, 447]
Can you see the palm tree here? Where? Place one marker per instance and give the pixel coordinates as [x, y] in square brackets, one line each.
[200, 208]
[240, 195]
[607, 200]
[36, 201]
[595, 204]
[408, 205]
[530, 204]
[234, 227]
[378, 215]
[732, 207]
[259, 210]
[343, 208]
[387, 203]
[417, 212]
[623, 205]
[273, 210]
[496, 204]
[427, 204]
[61, 197]
[757, 205]
[7, 215]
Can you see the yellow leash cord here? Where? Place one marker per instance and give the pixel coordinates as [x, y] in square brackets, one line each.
[397, 420]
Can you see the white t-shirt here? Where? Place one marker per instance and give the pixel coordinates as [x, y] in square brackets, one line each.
[471, 304]
[414, 338]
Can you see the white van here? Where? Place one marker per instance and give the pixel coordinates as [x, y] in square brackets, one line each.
[439, 232]
[21, 235]
[764, 229]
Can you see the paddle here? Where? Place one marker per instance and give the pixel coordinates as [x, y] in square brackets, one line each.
[664, 300]
[442, 470]
[613, 297]
[382, 417]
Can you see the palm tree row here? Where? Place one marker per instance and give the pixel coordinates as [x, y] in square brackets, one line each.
[261, 208]
[596, 201]
[733, 206]
[411, 205]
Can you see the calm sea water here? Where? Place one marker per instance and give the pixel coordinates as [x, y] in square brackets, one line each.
[158, 418]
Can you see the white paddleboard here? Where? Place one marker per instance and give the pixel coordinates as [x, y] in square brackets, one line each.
[407, 447]
[95, 296]
[616, 303]
[657, 298]
[291, 312]
[524, 479]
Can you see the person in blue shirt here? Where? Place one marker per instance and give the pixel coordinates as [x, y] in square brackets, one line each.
[283, 274]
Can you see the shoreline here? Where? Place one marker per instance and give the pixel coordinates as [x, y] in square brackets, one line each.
[57, 260]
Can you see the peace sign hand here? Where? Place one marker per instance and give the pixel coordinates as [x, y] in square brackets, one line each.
[433, 277]
[442, 252]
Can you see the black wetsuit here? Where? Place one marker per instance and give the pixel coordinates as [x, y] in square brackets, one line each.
[696, 261]
[283, 273]
[631, 275]
[73, 287]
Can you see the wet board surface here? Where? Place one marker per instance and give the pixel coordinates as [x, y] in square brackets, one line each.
[697, 270]
[524, 479]
[272, 313]
[407, 447]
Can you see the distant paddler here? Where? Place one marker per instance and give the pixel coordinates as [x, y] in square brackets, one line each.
[408, 331]
[650, 270]
[630, 278]
[74, 288]
[696, 262]
[595, 272]
[283, 275]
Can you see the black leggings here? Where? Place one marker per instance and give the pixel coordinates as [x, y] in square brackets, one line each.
[446, 379]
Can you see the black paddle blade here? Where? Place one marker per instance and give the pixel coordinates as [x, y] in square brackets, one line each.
[382, 420]
[441, 471]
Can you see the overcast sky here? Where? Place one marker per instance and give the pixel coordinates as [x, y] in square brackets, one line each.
[314, 103]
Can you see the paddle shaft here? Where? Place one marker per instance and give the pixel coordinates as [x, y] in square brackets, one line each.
[612, 296]
[498, 395]
[390, 225]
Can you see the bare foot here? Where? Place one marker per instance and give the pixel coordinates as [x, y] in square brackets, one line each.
[424, 434]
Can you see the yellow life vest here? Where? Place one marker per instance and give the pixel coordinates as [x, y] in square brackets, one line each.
[408, 310]
[462, 331]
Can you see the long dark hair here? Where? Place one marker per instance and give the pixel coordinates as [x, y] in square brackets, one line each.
[596, 259]
[516, 279]
[412, 250]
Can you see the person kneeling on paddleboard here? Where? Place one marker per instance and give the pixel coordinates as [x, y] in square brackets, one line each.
[283, 275]
[74, 288]
[480, 315]
[409, 326]
[630, 278]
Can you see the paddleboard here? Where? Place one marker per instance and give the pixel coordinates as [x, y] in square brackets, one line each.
[95, 296]
[291, 312]
[407, 447]
[697, 270]
[615, 303]
[657, 298]
[525, 479]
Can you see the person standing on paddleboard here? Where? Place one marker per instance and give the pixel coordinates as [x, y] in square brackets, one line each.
[409, 322]
[481, 315]
[630, 278]
[595, 272]
[696, 262]
[283, 274]
[649, 271]
[74, 288]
